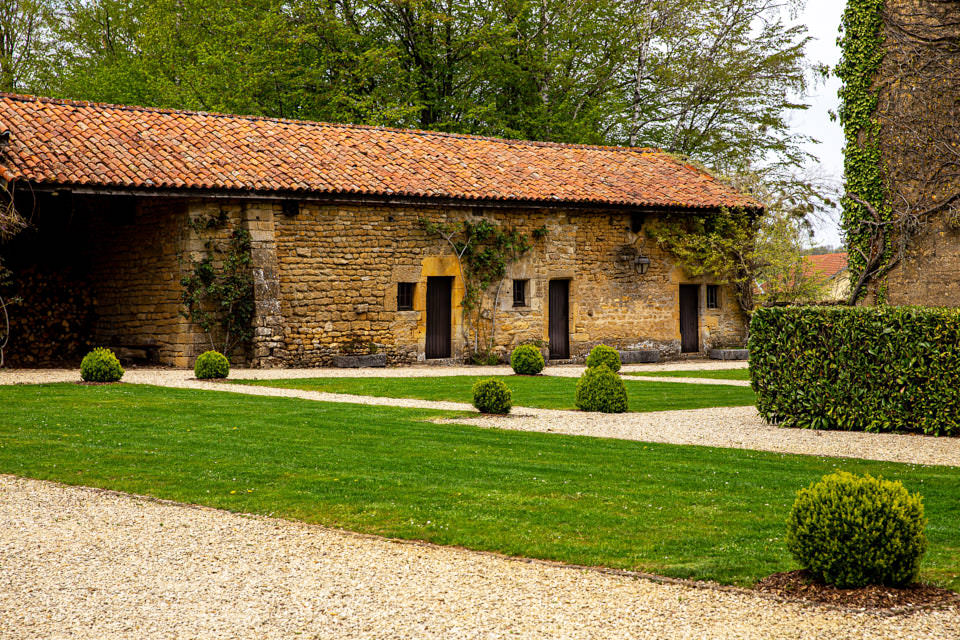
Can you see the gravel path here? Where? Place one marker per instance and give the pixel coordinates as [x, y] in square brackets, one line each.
[12, 376]
[729, 427]
[83, 563]
[729, 383]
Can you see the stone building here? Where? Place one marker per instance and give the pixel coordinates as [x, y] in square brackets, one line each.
[832, 271]
[125, 199]
[918, 109]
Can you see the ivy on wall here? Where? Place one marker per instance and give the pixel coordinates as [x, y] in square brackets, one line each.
[483, 250]
[866, 216]
[217, 292]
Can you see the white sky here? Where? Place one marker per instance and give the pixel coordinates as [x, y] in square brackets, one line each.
[822, 18]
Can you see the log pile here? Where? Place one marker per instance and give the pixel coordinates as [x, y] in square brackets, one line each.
[51, 318]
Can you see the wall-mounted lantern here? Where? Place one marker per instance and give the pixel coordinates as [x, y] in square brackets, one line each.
[642, 264]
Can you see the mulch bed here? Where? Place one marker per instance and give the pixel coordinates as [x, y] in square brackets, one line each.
[95, 384]
[801, 584]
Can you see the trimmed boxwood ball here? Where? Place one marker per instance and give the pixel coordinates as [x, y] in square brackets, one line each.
[527, 360]
[492, 396]
[100, 365]
[602, 354]
[851, 531]
[600, 389]
[210, 365]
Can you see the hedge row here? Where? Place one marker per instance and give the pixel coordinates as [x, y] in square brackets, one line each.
[858, 368]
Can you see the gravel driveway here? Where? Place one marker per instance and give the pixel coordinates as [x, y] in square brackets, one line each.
[83, 563]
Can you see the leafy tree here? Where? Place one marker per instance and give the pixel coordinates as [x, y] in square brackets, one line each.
[708, 80]
[26, 42]
[761, 254]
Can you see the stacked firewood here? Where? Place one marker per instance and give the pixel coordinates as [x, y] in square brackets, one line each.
[51, 318]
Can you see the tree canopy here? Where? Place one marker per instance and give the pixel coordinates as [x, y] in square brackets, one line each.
[715, 80]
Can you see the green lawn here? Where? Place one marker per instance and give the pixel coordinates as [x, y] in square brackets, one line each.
[545, 392]
[714, 374]
[676, 510]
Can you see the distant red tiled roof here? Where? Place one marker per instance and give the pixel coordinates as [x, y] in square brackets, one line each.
[826, 264]
[78, 143]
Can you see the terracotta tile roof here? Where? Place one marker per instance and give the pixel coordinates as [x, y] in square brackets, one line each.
[826, 264]
[78, 143]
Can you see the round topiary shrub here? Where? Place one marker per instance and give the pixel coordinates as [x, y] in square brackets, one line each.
[851, 531]
[211, 365]
[100, 365]
[492, 396]
[602, 354]
[527, 360]
[600, 389]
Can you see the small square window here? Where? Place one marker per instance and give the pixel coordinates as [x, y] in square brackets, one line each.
[405, 296]
[713, 296]
[520, 293]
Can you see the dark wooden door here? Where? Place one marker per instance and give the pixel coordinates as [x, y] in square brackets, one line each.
[689, 318]
[559, 319]
[438, 316]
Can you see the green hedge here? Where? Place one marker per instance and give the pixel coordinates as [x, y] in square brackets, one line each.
[858, 368]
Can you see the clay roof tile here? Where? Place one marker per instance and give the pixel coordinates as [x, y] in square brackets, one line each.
[80, 143]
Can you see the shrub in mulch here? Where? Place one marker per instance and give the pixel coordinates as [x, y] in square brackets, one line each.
[851, 531]
[803, 585]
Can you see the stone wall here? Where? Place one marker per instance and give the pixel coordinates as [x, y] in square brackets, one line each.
[919, 112]
[134, 254]
[338, 267]
[326, 275]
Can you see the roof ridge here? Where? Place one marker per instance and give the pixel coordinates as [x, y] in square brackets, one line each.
[323, 124]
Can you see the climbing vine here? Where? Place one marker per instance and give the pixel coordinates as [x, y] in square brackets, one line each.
[11, 223]
[867, 218]
[217, 293]
[722, 244]
[483, 250]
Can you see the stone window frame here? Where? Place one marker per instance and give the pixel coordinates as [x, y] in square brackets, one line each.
[524, 285]
[713, 296]
[405, 295]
